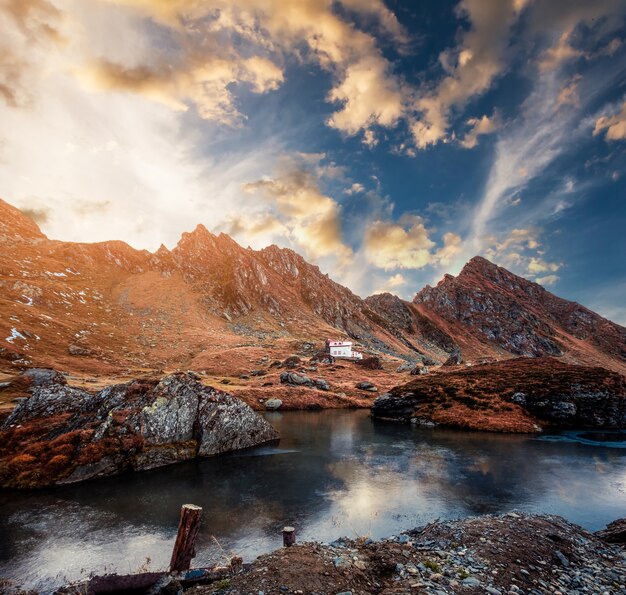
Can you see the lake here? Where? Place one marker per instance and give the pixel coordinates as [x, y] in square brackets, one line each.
[334, 473]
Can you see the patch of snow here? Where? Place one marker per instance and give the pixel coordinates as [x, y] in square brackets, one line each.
[15, 334]
[28, 302]
[56, 274]
[69, 270]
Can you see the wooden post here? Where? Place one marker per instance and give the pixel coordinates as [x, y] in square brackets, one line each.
[289, 536]
[184, 548]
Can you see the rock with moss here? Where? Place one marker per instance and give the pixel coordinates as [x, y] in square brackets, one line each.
[63, 434]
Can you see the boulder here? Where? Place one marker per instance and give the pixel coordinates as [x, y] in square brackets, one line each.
[455, 359]
[43, 376]
[78, 350]
[273, 404]
[428, 361]
[405, 367]
[322, 357]
[295, 379]
[63, 434]
[419, 370]
[370, 363]
[368, 386]
[291, 363]
[321, 384]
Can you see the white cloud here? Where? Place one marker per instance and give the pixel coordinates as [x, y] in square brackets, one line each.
[547, 280]
[392, 284]
[613, 127]
[356, 188]
[479, 127]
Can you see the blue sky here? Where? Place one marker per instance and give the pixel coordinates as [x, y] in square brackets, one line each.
[388, 142]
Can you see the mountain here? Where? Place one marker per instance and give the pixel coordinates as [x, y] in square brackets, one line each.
[210, 304]
[511, 314]
[105, 306]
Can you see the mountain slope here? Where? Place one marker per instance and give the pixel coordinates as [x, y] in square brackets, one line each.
[209, 304]
[506, 312]
[105, 306]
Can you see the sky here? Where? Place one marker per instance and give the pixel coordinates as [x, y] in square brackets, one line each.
[386, 141]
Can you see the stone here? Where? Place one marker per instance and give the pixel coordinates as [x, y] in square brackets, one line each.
[455, 359]
[321, 384]
[78, 350]
[562, 558]
[368, 386]
[470, 581]
[371, 363]
[273, 404]
[295, 379]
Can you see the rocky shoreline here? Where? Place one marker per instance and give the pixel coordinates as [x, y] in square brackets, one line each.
[512, 554]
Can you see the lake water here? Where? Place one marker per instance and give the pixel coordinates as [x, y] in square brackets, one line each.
[334, 473]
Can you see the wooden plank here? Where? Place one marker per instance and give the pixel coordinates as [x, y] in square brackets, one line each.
[185, 546]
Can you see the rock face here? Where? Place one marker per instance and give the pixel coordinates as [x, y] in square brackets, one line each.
[64, 435]
[520, 395]
[500, 309]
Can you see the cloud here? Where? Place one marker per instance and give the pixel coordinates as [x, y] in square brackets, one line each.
[547, 280]
[561, 52]
[307, 216]
[368, 96]
[537, 265]
[38, 215]
[356, 188]
[406, 244]
[452, 246]
[213, 37]
[479, 127]
[615, 126]
[521, 250]
[569, 93]
[470, 67]
[392, 284]
[28, 28]
[403, 245]
[202, 81]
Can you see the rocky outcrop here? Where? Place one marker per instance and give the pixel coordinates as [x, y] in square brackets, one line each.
[521, 395]
[64, 435]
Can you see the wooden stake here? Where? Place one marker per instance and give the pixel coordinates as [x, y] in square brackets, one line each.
[184, 548]
[289, 536]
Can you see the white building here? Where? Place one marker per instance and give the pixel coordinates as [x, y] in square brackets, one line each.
[342, 349]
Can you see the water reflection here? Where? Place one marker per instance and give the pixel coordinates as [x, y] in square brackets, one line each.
[334, 473]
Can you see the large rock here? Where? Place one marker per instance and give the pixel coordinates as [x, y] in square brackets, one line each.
[370, 363]
[295, 379]
[455, 359]
[64, 435]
